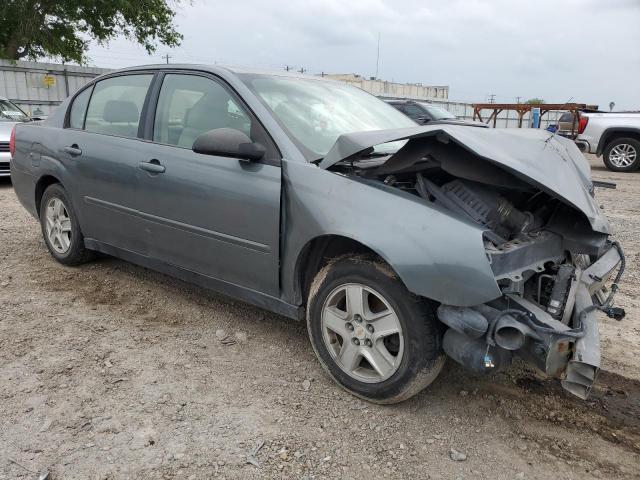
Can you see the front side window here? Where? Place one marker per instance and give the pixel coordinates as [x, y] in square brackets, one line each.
[190, 105]
[79, 108]
[116, 105]
[314, 113]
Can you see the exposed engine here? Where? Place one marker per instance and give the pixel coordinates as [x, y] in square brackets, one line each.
[541, 252]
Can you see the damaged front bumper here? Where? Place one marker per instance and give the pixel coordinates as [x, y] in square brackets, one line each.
[485, 337]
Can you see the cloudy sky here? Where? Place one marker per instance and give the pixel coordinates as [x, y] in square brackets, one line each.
[552, 49]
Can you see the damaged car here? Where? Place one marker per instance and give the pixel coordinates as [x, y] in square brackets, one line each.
[398, 244]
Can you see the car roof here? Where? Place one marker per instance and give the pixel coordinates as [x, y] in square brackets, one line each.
[223, 68]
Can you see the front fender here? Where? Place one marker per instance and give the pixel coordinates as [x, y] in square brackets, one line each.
[436, 255]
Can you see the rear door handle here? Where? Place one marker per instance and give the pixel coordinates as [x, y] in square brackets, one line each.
[73, 150]
[152, 166]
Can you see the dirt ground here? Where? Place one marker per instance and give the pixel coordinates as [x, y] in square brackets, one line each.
[113, 371]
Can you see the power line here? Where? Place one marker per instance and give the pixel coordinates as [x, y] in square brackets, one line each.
[378, 56]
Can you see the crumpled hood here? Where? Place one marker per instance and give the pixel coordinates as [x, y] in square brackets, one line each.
[549, 162]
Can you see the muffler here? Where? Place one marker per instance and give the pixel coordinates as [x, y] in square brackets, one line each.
[464, 320]
[474, 354]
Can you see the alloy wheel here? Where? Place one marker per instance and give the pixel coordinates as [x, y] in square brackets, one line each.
[58, 225]
[362, 333]
[623, 155]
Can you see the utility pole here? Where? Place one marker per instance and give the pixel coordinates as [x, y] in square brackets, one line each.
[287, 68]
[518, 99]
[167, 57]
[302, 70]
[378, 56]
[492, 98]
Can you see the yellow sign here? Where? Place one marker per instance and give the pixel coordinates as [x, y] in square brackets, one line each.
[49, 80]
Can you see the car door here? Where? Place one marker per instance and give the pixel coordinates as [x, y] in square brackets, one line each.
[212, 215]
[101, 150]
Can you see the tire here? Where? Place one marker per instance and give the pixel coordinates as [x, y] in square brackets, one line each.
[622, 155]
[65, 242]
[413, 356]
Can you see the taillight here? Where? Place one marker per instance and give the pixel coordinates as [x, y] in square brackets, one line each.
[582, 124]
[12, 141]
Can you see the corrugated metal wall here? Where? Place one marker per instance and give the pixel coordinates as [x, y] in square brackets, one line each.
[39, 87]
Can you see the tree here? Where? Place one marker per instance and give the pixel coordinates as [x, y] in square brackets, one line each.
[533, 101]
[32, 29]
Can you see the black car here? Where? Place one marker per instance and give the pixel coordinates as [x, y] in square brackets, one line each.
[424, 112]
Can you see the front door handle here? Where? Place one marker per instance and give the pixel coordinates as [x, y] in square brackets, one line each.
[152, 166]
[73, 150]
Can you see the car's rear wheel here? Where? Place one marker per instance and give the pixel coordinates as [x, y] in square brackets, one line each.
[374, 338]
[60, 227]
[622, 155]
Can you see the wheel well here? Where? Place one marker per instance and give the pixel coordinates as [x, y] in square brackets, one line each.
[318, 252]
[612, 135]
[41, 186]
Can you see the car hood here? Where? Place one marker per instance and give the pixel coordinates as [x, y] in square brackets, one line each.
[5, 130]
[546, 161]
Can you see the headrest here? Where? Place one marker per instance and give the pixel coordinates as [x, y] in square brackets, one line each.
[121, 111]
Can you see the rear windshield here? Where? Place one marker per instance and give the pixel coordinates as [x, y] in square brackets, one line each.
[10, 112]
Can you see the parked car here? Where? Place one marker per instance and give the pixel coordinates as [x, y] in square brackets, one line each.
[614, 136]
[397, 243]
[424, 112]
[566, 126]
[10, 114]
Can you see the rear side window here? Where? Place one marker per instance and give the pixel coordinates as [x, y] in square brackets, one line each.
[79, 108]
[190, 105]
[116, 105]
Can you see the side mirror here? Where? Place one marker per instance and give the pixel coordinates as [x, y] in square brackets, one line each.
[228, 142]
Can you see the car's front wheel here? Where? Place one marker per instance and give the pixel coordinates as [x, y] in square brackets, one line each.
[60, 227]
[374, 338]
[622, 155]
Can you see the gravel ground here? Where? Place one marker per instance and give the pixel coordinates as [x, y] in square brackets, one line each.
[113, 371]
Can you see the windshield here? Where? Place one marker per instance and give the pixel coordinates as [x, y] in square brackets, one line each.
[316, 112]
[11, 113]
[438, 113]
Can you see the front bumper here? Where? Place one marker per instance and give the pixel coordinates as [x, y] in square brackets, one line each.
[486, 337]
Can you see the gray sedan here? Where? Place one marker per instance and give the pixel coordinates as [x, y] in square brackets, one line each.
[399, 244]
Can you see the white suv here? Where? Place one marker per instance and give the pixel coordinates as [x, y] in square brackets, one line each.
[615, 136]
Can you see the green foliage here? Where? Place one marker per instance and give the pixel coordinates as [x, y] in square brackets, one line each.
[533, 101]
[31, 29]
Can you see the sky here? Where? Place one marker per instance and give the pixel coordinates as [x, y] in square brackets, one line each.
[584, 50]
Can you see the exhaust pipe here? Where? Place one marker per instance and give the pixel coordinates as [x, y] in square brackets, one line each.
[511, 334]
[474, 354]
